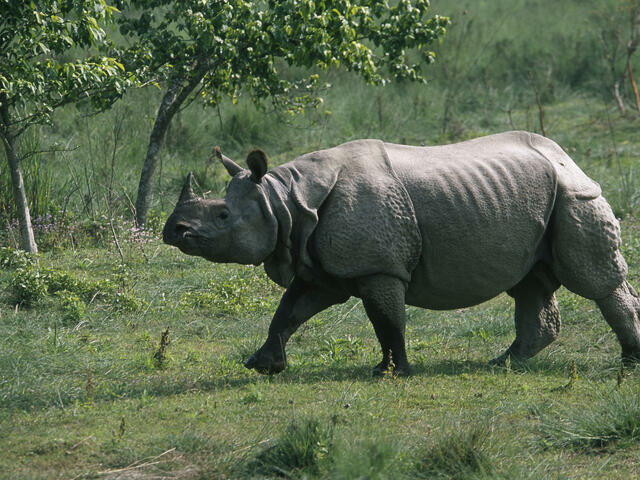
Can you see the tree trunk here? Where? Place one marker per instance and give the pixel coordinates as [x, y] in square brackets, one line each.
[616, 94]
[27, 240]
[175, 96]
[632, 46]
[633, 83]
[160, 127]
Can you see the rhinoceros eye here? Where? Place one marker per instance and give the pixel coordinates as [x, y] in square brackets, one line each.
[223, 215]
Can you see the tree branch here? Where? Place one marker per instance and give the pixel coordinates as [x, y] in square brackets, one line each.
[48, 150]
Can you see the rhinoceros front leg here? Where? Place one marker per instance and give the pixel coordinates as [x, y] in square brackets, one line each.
[301, 301]
[383, 300]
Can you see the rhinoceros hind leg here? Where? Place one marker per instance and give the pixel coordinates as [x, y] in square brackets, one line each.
[585, 240]
[537, 317]
[621, 310]
[587, 260]
[383, 300]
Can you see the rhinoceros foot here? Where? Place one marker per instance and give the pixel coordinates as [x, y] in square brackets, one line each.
[267, 362]
[500, 360]
[630, 359]
[513, 358]
[383, 369]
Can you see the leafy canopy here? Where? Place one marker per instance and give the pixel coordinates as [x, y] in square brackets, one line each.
[49, 57]
[241, 45]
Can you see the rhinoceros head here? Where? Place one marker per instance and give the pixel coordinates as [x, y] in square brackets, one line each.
[239, 228]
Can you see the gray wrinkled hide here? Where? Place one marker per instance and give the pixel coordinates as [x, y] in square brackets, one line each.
[437, 227]
[367, 223]
[460, 223]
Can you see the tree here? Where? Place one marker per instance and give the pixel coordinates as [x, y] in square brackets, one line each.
[212, 49]
[38, 74]
[619, 25]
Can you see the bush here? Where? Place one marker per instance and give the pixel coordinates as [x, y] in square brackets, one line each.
[125, 302]
[233, 295]
[73, 307]
[59, 280]
[11, 258]
[28, 286]
[31, 283]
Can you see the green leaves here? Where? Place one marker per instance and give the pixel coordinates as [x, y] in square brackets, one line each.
[244, 43]
[39, 72]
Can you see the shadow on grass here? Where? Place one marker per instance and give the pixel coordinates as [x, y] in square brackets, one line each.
[168, 384]
[450, 367]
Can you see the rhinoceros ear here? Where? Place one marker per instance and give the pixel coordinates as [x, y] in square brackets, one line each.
[257, 161]
[231, 166]
[187, 190]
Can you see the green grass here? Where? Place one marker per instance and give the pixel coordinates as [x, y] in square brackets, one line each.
[67, 383]
[74, 364]
[299, 449]
[613, 419]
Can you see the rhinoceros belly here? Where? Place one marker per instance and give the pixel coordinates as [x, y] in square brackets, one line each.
[482, 209]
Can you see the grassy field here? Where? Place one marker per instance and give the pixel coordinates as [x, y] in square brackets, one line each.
[122, 358]
[88, 392]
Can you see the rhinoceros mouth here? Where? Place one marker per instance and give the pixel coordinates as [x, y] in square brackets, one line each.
[188, 247]
[182, 237]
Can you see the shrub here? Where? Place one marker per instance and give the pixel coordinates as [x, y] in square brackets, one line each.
[28, 286]
[125, 302]
[12, 258]
[59, 280]
[73, 307]
[233, 295]
[31, 283]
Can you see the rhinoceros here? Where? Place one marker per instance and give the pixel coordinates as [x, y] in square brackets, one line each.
[438, 227]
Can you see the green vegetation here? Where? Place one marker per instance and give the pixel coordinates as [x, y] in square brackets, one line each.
[37, 76]
[75, 364]
[613, 419]
[120, 356]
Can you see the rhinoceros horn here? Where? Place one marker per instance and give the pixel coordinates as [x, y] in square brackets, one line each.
[231, 166]
[187, 190]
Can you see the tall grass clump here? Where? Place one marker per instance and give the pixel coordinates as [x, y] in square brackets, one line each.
[298, 451]
[458, 456]
[375, 457]
[611, 418]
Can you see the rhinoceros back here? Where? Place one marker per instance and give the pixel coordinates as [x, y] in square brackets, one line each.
[483, 207]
